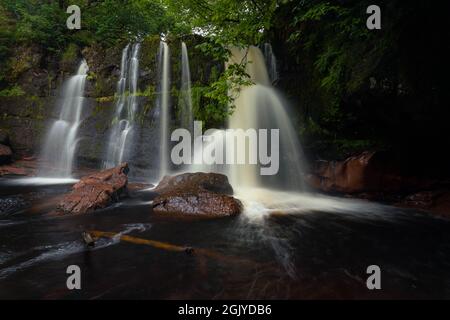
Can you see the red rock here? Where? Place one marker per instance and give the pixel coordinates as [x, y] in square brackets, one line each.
[196, 194]
[96, 191]
[12, 170]
[366, 172]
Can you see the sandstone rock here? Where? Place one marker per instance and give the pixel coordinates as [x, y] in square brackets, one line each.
[5, 154]
[12, 170]
[196, 194]
[96, 191]
[366, 172]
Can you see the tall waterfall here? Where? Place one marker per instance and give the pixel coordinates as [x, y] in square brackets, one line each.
[120, 138]
[185, 91]
[258, 107]
[163, 103]
[61, 142]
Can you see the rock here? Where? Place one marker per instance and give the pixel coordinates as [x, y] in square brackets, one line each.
[366, 172]
[96, 191]
[435, 201]
[88, 239]
[13, 171]
[19, 168]
[196, 194]
[5, 154]
[214, 182]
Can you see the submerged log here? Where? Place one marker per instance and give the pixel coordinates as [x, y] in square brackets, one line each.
[88, 239]
[174, 248]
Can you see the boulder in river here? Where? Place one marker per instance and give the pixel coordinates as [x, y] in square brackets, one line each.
[196, 194]
[96, 191]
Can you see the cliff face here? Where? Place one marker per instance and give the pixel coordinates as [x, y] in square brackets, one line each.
[355, 89]
[29, 102]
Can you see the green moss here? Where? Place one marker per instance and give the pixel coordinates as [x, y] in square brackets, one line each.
[18, 65]
[105, 99]
[15, 91]
[70, 55]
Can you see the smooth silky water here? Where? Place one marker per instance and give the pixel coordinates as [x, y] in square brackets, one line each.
[120, 141]
[319, 250]
[62, 139]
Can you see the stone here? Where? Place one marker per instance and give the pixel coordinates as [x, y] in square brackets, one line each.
[366, 172]
[96, 191]
[196, 194]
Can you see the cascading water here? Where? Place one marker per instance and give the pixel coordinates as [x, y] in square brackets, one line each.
[61, 142]
[271, 62]
[122, 125]
[163, 103]
[258, 107]
[185, 91]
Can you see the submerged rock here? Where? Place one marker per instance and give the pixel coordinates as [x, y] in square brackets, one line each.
[434, 201]
[96, 191]
[196, 194]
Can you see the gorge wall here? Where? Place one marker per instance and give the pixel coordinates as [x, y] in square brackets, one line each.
[355, 89]
[30, 96]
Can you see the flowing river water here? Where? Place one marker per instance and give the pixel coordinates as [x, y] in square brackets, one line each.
[318, 248]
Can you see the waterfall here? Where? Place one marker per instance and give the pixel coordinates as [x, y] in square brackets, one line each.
[120, 138]
[258, 106]
[61, 142]
[271, 62]
[163, 103]
[185, 91]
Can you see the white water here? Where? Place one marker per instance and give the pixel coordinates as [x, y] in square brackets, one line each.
[61, 250]
[61, 142]
[185, 91]
[258, 107]
[120, 139]
[164, 100]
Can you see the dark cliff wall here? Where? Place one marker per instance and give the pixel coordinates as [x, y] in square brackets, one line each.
[355, 89]
[28, 101]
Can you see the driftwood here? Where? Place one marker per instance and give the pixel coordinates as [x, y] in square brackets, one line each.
[174, 248]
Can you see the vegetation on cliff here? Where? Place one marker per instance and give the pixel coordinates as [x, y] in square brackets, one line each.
[352, 88]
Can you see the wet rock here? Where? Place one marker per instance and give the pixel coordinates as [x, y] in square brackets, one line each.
[96, 191]
[12, 203]
[435, 201]
[196, 194]
[88, 239]
[19, 168]
[5, 154]
[366, 172]
[7, 170]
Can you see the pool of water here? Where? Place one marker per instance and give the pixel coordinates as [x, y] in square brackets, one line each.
[318, 248]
